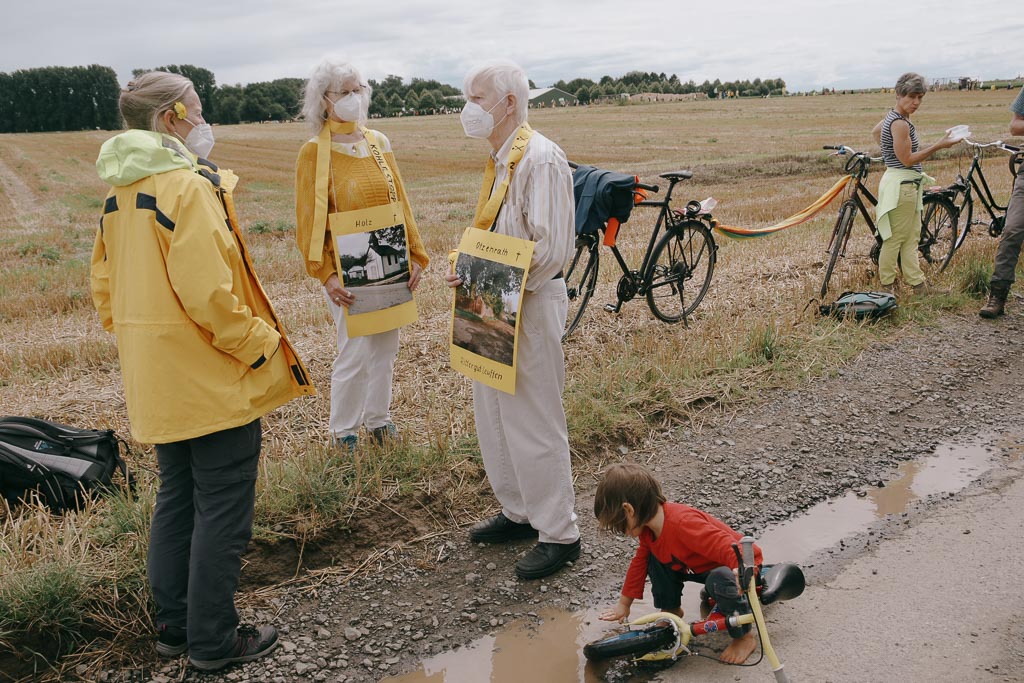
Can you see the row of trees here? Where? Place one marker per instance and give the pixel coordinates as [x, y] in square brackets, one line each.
[393, 97]
[636, 82]
[77, 98]
[59, 98]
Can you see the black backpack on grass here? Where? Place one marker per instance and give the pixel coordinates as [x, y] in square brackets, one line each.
[60, 465]
[860, 305]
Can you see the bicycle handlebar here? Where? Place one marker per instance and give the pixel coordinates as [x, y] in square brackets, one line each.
[843, 149]
[997, 143]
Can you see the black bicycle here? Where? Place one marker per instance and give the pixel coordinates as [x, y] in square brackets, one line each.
[676, 269]
[949, 213]
[856, 197]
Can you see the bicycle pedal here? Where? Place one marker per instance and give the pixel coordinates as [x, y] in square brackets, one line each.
[613, 308]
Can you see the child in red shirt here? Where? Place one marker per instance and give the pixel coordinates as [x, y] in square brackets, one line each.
[676, 542]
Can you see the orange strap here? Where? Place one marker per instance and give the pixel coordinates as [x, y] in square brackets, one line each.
[796, 219]
[611, 231]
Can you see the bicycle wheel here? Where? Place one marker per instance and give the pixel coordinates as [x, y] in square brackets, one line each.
[938, 231]
[681, 265]
[840, 234]
[630, 643]
[964, 218]
[581, 279]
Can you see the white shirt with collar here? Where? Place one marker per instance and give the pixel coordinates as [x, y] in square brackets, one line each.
[539, 205]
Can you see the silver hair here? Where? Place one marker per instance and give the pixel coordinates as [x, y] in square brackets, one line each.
[331, 73]
[910, 83]
[502, 78]
[147, 97]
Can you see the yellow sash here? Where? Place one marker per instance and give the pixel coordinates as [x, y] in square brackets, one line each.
[323, 177]
[487, 209]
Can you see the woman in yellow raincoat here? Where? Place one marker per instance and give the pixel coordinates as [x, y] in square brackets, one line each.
[203, 357]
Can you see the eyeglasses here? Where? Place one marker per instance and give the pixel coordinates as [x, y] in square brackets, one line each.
[345, 93]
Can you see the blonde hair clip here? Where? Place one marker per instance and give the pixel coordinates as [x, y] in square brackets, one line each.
[180, 110]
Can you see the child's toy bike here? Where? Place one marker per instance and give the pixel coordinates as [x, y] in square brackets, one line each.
[667, 636]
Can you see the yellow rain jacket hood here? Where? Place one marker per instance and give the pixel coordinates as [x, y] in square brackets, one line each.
[200, 346]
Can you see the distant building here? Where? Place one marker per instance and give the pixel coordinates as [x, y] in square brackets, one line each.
[551, 97]
[955, 83]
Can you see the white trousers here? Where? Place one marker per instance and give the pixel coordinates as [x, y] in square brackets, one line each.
[523, 438]
[361, 378]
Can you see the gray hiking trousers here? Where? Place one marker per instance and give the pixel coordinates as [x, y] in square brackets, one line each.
[201, 525]
[1008, 251]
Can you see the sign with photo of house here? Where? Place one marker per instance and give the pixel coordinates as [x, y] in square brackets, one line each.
[485, 312]
[372, 257]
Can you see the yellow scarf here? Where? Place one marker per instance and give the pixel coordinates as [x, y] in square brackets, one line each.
[323, 176]
[487, 209]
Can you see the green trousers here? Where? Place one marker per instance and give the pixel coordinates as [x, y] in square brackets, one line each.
[900, 250]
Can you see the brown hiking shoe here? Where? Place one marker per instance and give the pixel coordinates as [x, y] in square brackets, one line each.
[996, 305]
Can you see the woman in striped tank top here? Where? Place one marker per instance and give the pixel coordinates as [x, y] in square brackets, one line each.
[898, 215]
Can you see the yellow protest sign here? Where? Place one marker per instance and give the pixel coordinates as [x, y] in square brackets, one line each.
[371, 253]
[485, 311]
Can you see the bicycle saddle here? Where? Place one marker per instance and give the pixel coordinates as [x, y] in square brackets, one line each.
[676, 176]
[782, 582]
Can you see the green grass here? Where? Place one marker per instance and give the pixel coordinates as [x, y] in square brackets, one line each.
[48, 599]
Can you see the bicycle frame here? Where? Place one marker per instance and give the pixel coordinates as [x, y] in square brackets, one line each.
[640, 278]
[859, 197]
[975, 183]
[858, 192]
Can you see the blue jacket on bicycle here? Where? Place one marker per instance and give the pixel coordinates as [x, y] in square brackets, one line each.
[601, 195]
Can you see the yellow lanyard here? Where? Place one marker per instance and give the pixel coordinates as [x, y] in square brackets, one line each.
[487, 209]
[323, 176]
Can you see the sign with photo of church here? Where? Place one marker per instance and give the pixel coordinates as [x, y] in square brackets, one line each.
[372, 257]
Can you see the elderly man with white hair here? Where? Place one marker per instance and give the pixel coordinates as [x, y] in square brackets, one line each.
[523, 437]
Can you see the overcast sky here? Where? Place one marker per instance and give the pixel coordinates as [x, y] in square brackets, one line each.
[809, 43]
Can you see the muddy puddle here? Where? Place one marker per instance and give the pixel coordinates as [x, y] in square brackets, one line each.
[548, 648]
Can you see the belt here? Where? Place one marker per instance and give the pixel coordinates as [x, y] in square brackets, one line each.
[558, 276]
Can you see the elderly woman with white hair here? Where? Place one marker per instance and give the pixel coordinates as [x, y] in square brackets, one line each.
[898, 215]
[527, 193]
[347, 167]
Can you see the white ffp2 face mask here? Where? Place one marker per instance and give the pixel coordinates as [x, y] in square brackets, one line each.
[476, 122]
[200, 140]
[349, 107]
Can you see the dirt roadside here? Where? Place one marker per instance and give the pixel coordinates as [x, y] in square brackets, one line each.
[937, 600]
[764, 463]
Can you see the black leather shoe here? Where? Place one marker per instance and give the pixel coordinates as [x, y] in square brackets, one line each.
[546, 559]
[500, 529]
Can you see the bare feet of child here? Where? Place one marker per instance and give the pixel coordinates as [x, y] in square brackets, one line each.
[740, 649]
